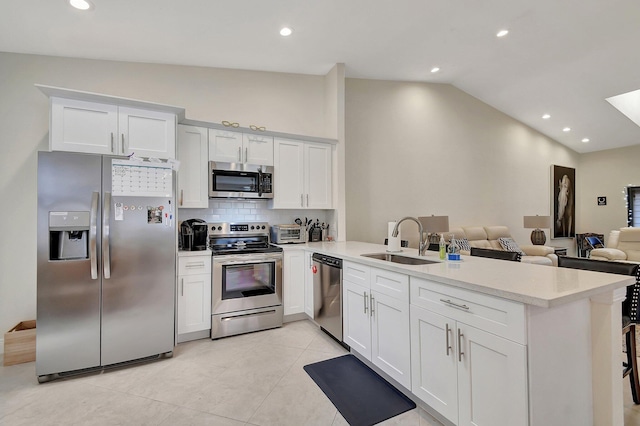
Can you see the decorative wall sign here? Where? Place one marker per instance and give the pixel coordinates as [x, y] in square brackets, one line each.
[563, 188]
[602, 201]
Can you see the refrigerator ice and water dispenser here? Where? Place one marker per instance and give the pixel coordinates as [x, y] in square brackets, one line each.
[68, 235]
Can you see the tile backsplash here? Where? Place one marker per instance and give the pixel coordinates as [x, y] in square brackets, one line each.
[254, 211]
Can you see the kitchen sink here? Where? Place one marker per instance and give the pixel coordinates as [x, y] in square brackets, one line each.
[396, 258]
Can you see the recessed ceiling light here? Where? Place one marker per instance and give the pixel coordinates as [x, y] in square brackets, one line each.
[81, 4]
[502, 33]
[286, 31]
[585, 140]
[566, 129]
[435, 69]
[546, 117]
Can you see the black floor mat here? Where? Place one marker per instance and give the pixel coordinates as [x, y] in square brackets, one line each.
[362, 396]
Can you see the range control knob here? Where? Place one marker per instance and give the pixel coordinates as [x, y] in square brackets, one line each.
[263, 226]
[219, 228]
[252, 227]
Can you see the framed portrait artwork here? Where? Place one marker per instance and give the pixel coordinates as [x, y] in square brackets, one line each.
[563, 204]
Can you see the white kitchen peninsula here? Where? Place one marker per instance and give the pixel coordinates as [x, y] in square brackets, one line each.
[538, 345]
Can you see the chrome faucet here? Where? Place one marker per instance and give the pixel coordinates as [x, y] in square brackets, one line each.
[422, 247]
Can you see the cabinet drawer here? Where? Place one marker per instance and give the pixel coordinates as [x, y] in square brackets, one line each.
[393, 284]
[495, 315]
[191, 265]
[356, 273]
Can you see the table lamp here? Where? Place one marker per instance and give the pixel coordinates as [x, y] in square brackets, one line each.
[434, 224]
[538, 237]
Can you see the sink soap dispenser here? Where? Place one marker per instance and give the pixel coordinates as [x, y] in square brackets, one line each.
[443, 247]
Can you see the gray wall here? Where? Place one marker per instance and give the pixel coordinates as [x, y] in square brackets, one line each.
[606, 173]
[419, 149]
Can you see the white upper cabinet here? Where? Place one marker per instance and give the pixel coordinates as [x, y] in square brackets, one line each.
[302, 175]
[193, 189]
[235, 147]
[92, 127]
[81, 126]
[147, 133]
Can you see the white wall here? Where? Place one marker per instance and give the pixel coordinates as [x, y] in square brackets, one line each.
[280, 102]
[605, 173]
[416, 149]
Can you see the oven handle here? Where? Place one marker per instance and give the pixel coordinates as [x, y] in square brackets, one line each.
[250, 258]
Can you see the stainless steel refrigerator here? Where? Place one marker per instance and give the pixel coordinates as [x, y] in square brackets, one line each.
[106, 262]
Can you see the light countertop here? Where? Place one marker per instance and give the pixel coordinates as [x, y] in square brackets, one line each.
[537, 285]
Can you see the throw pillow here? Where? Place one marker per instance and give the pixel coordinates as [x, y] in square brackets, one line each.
[463, 243]
[509, 245]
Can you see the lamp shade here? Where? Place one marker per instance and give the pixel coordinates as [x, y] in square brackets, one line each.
[535, 222]
[434, 223]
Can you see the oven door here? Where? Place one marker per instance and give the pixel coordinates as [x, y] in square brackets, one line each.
[246, 281]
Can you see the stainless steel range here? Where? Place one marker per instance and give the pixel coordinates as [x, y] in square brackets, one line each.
[246, 281]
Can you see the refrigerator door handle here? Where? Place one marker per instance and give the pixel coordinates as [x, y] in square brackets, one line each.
[106, 255]
[93, 235]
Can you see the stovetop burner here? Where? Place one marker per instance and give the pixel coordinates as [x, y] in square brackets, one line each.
[240, 238]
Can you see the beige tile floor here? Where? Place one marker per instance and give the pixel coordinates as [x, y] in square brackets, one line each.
[253, 379]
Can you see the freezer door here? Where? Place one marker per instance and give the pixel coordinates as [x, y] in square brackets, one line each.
[138, 272]
[68, 297]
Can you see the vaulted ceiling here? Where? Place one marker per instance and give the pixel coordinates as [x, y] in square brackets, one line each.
[561, 58]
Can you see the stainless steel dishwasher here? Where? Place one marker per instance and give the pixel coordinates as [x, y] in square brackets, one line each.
[327, 294]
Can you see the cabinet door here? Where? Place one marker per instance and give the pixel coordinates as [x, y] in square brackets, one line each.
[492, 379]
[225, 146]
[194, 303]
[318, 193]
[258, 149]
[309, 296]
[355, 318]
[288, 180]
[390, 344]
[293, 282]
[147, 133]
[193, 189]
[80, 126]
[434, 362]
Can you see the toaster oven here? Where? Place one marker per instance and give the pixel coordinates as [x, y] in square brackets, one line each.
[286, 234]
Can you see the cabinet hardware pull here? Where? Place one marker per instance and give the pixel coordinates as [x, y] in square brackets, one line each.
[372, 304]
[301, 200]
[112, 142]
[181, 196]
[123, 143]
[366, 302]
[307, 200]
[246, 155]
[239, 155]
[447, 331]
[195, 265]
[460, 352]
[450, 303]
[182, 287]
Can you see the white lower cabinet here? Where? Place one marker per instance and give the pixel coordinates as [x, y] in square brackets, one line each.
[469, 375]
[293, 281]
[376, 318]
[194, 294]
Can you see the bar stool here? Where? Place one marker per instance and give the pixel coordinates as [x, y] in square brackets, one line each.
[629, 310]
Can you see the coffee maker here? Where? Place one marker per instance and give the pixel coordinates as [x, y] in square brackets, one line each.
[193, 235]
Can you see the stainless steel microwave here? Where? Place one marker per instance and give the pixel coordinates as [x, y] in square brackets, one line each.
[237, 180]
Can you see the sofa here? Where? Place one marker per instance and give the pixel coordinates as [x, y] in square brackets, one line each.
[622, 246]
[488, 237]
